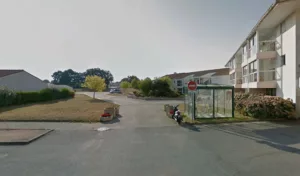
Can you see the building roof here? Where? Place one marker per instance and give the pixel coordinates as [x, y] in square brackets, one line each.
[215, 72]
[4, 73]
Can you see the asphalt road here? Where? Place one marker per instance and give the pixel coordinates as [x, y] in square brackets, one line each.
[144, 142]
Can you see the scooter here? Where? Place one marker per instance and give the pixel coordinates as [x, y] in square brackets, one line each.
[177, 115]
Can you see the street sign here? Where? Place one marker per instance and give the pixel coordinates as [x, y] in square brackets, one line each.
[192, 85]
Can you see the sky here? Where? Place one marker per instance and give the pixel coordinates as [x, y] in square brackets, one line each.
[146, 38]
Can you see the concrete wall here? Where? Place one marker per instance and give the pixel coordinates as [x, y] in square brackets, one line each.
[23, 81]
[297, 65]
[286, 35]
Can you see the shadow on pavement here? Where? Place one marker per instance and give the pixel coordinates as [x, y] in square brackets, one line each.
[115, 120]
[276, 135]
[190, 127]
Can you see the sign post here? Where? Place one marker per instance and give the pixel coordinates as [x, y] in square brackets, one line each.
[192, 86]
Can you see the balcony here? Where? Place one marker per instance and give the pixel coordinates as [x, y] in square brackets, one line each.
[267, 49]
[236, 82]
[263, 79]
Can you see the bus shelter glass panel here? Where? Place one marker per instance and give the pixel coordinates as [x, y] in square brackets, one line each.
[204, 103]
[223, 102]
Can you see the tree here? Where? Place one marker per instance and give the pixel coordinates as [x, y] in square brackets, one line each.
[96, 83]
[125, 85]
[68, 77]
[46, 81]
[161, 88]
[145, 86]
[130, 78]
[135, 83]
[167, 79]
[75, 79]
[105, 74]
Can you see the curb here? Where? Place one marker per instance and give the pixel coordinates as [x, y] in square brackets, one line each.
[27, 141]
[238, 121]
[61, 121]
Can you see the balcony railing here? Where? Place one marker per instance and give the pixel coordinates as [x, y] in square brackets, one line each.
[236, 81]
[268, 45]
[269, 75]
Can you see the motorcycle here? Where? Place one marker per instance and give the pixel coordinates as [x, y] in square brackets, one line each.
[177, 115]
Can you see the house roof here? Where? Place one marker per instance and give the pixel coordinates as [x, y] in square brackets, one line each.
[215, 72]
[4, 73]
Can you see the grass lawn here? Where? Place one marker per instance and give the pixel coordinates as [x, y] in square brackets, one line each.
[79, 109]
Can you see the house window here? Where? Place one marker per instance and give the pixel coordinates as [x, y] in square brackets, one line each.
[201, 81]
[179, 82]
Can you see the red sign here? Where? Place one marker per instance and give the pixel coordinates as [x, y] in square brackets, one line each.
[192, 86]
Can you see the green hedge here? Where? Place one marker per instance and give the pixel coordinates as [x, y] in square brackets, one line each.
[8, 97]
[262, 106]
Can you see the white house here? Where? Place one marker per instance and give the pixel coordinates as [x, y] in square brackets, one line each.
[214, 76]
[20, 80]
[268, 60]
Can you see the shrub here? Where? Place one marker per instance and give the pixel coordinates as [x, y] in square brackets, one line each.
[135, 83]
[261, 106]
[145, 86]
[125, 85]
[138, 94]
[8, 97]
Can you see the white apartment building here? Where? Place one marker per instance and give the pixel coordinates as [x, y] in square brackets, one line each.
[269, 59]
[214, 76]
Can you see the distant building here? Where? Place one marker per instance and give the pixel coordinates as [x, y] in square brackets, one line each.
[213, 76]
[20, 80]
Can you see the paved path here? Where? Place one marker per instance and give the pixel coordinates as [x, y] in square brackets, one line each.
[144, 142]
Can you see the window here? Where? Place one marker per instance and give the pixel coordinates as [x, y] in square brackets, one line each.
[232, 76]
[179, 82]
[245, 70]
[253, 66]
[271, 92]
[283, 60]
[201, 81]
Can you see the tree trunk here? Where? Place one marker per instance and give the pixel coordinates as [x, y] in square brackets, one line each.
[94, 95]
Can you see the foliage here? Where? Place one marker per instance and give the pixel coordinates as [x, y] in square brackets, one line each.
[161, 88]
[167, 79]
[105, 74]
[76, 79]
[46, 81]
[125, 85]
[261, 106]
[129, 78]
[96, 83]
[138, 94]
[135, 83]
[145, 86]
[8, 97]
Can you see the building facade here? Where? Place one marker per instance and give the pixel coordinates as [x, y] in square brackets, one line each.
[214, 76]
[20, 80]
[268, 61]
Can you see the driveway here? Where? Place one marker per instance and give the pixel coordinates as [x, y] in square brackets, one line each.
[144, 142]
[139, 113]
